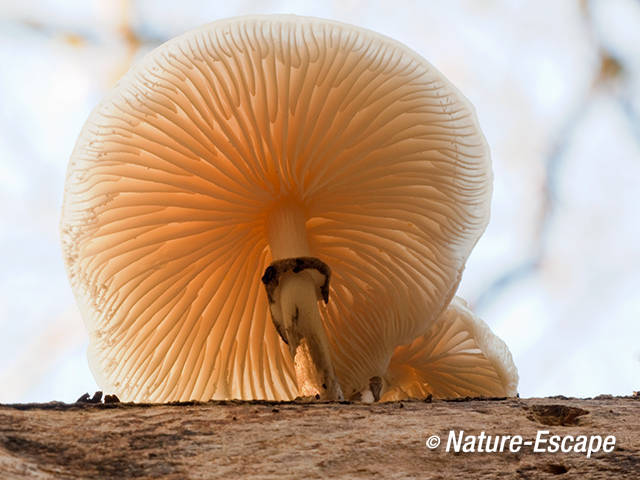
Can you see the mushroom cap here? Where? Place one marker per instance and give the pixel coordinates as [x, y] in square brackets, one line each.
[176, 171]
[459, 356]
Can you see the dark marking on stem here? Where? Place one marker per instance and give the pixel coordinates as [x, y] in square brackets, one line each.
[272, 274]
[280, 331]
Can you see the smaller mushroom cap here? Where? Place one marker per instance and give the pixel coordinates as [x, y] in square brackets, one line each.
[459, 356]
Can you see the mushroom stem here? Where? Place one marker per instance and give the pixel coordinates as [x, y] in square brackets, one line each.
[295, 282]
[287, 232]
[308, 342]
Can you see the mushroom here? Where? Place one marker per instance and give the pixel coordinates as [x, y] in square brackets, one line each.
[458, 356]
[271, 206]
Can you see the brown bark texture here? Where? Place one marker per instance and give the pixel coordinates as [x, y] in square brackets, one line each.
[311, 439]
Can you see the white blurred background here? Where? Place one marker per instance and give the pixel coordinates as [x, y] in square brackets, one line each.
[556, 85]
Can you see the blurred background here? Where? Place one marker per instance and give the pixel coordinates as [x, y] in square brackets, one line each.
[556, 86]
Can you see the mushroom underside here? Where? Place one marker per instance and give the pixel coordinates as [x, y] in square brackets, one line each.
[372, 156]
[458, 356]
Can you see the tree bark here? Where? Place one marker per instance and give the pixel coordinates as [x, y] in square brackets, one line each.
[311, 440]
